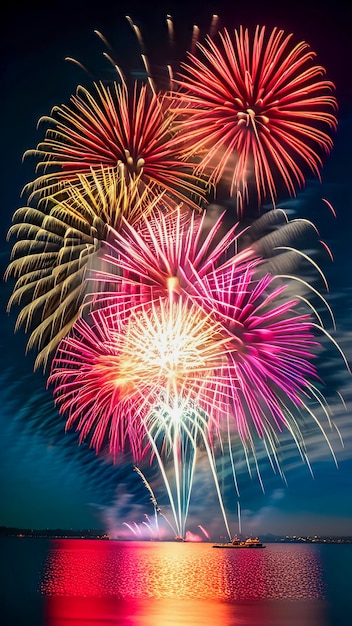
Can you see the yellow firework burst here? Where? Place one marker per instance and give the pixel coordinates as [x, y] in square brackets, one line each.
[58, 243]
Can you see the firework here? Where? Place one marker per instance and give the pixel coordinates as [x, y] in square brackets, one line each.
[152, 497]
[206, 350]
[175, 332]
[269, 383]
[257, 111]
[58, 243]
[116, 124]
[272, 350]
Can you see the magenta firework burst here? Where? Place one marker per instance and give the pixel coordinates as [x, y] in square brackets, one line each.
[239, 352]
[256, 110]
[269, 336]
[271, 346]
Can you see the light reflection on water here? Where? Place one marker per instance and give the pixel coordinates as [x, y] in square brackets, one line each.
[181, 584]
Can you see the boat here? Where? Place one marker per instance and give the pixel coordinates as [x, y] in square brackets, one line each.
[237, 543]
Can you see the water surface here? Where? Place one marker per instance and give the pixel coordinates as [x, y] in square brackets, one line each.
[69, 582]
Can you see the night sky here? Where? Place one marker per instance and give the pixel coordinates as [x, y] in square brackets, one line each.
[47, 480]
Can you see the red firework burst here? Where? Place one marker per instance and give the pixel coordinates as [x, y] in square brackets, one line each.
[115, 125]
[256, 111]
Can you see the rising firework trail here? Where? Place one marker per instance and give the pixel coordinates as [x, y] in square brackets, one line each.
[152, 496]
[204, 531]
[239, 518]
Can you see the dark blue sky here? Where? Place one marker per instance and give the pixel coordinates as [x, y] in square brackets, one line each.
[46, 479]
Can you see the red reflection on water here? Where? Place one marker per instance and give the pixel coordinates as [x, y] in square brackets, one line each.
[145, 584]
[175, 612]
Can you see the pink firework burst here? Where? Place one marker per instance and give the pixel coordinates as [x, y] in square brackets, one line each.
[236, 359]
[116, 124]
[256, 111]
[166, 249]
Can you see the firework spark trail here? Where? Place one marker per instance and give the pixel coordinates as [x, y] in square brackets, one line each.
[204, 531]
[185, 432]
[255, 108]
[182, 450]
[131, 528]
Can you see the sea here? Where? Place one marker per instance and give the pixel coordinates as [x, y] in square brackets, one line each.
[92, 582]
